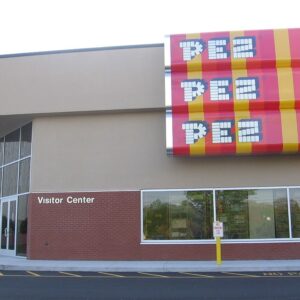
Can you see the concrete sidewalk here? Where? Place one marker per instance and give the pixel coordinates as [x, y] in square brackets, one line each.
[15, 263]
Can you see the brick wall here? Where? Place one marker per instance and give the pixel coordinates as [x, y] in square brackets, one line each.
[109, 229]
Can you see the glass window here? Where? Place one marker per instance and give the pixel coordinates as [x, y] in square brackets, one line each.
[0, 182]
[22, 225]
[10, 178]
[1, 151]
[26, 132]
[12, 225]
[295, 211]
[177, 215]
[11, 147]
[4, 221]
[24, 176]
[253, 214]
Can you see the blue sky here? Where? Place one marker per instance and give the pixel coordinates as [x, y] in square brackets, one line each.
[41, 25]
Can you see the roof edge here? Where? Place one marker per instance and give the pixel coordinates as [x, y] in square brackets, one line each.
[125, 47]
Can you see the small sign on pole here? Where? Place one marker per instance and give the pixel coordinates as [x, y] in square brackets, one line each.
[218, 233]
[218, 229]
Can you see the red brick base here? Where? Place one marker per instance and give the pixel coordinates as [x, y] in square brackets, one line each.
[109, 229]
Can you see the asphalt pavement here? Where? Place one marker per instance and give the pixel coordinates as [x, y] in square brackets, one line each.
[39, 285]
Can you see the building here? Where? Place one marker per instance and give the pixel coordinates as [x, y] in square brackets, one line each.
[85, 174]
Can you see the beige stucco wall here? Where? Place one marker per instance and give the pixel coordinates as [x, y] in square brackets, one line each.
[99, 124]
[109, 79]
[126, 151]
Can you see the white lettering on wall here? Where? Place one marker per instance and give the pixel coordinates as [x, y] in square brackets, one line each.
[68, 200]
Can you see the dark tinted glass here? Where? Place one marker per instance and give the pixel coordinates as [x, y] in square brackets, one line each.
[0, 182]
[253, 214]
[1, 151]
[178, 215]
[4, 215]
[11, 147]
[12, 225]
[22, 225]
[10, 176]
[26, 140]
[295, 211]
[24, 176]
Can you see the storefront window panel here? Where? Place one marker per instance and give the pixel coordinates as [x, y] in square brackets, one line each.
[295, 211]
[24, 175]
[253, 214]
[11, 147]
[10, 178]
[22, 225]
[232, 210]
[281, 216]
[26, 132]
[178, 215]
[156, 215]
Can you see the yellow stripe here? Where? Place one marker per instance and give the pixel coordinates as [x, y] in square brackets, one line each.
[194, 71]
[111, 274]
[241, 107]
[197, 275]
[241, 274]
[70, 274]
[286, 91]
[33, 274]
[154, 275]
[282, 46]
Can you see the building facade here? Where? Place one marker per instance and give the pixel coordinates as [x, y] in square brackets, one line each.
[85, 174]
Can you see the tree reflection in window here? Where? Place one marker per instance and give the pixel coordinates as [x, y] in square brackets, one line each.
[178, 215]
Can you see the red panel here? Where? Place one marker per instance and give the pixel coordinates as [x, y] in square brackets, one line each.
[294, 35]
[266, 108]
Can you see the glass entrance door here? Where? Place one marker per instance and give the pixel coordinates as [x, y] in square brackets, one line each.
[8, 226]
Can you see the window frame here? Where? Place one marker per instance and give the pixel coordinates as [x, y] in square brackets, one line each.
[290, 239]
[18, 162]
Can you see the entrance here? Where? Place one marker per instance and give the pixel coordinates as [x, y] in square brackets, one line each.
[8, 225]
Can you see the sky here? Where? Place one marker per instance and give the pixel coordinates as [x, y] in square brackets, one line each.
[44, 25]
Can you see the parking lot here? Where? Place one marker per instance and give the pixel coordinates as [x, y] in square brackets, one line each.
[169, 275]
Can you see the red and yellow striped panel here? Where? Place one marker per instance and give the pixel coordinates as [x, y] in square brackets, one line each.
[235, 92]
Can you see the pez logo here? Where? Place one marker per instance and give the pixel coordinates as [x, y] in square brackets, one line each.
[194, 131]
[219, 89]
[219, 48]
[192, 48]
[244, 47]
[248, 131]
[247, 88]
[193, 89]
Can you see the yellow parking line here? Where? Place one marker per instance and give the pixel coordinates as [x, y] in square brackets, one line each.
[111, 274]
[240, 274]
[70, 274]
[33, 274]
[197, 275]
[154, 275]
[1, 274]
